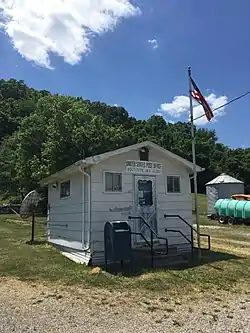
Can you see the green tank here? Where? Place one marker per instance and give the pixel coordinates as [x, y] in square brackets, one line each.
[221, 206]
[246, 210]
[231, 206]
[238, 209]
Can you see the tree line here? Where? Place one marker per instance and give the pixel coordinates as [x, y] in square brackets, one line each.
[41, 133]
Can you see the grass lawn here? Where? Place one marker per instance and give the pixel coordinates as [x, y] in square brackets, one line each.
[227, 267]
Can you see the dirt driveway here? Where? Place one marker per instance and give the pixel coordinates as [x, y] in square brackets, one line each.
[33, 307]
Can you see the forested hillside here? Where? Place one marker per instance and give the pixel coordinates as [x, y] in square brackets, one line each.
[41, 133]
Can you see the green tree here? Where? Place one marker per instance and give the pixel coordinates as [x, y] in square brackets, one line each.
[41, 133]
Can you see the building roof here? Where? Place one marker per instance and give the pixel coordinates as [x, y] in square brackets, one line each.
[224, 179]
[89, 161]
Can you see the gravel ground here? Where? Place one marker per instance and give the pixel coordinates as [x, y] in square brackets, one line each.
[33, 307]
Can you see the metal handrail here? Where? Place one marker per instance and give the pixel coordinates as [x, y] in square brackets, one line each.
[152, 232]
[192, 230]
[148, 225]
[140, 234]
[180, 232]
[191, 242]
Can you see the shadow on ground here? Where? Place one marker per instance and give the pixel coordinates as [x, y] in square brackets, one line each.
[186, 262]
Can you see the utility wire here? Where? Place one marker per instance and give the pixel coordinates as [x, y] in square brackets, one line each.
[233, 100]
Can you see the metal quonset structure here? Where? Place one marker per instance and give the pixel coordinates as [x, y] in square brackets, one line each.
[222, 187]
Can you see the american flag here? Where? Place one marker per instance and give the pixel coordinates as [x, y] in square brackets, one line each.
[197, 95]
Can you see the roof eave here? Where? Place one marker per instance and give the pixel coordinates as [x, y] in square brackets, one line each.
[64, 173]
[99, 158]
[198, 169]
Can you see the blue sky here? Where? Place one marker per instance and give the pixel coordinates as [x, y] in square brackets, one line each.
[135, 54]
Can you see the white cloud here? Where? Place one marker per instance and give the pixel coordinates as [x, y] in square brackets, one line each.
[180, 106]
[154, 43]
[177, 107]
[159, 114]
[63, 27]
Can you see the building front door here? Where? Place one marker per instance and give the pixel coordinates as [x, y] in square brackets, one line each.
[145, 205]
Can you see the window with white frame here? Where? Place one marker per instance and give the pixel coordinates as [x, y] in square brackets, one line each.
[113, 182]
[173, 184]
[65, 189]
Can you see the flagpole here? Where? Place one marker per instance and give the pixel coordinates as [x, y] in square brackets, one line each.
[194, 162]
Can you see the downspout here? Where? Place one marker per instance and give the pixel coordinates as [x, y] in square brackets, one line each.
[89, 208]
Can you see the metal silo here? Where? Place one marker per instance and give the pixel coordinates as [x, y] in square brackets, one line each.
[222, 187]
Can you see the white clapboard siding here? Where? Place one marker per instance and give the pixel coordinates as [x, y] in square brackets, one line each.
[174, 204]
[102, 217]
[69, 223]
[111, 197]
[66, 217]
[110, 206]
[65, 225]
[172, 224]
[66, 233]
[99, 188]
[66, 242]
[118, 206]
[104, 206]
[67, 208]
[65, 220]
